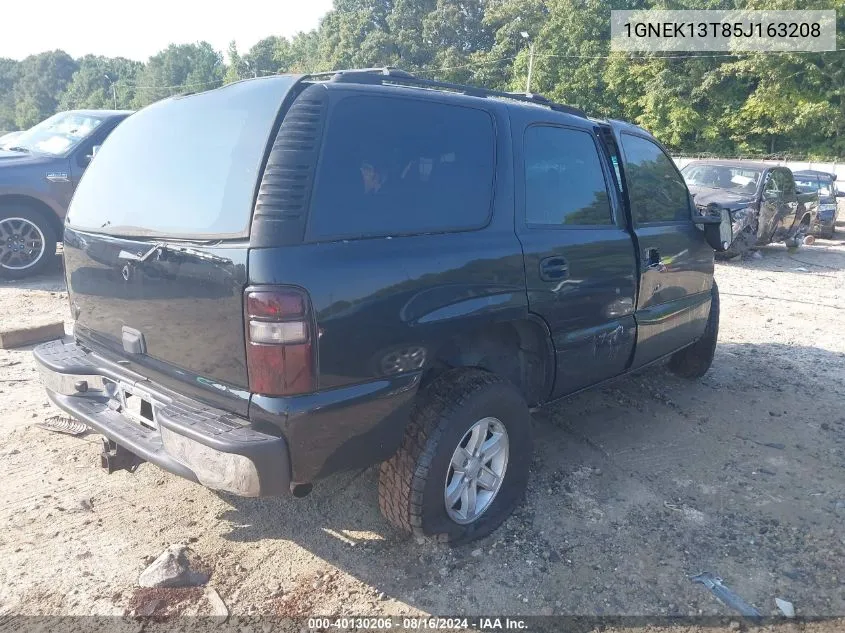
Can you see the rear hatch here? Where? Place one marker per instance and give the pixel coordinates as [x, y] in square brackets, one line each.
[157, 238]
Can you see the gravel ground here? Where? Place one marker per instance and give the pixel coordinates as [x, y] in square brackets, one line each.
[635, 487]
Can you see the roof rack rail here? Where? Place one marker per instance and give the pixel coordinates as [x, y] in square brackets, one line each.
[397, 76]
[386, 71]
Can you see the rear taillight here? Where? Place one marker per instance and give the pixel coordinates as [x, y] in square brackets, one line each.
[279, 353]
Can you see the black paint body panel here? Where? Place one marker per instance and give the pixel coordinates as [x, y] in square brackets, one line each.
[177, 318]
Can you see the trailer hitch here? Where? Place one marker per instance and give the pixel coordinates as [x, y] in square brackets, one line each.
[114, 457]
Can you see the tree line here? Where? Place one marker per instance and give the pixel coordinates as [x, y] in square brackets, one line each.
[697, 103]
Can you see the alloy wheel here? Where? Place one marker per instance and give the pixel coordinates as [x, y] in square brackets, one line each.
[21, 243]
[476, 470]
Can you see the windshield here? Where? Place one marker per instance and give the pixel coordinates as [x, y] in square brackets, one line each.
[59, 134]
[8, 140]
[739, 179]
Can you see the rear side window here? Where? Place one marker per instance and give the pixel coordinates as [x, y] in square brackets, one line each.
[807, 184]
[393, 166]
[564, 182]
[656, 189]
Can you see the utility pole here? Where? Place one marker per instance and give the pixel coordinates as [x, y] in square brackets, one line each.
[113, 91]
[530, 61]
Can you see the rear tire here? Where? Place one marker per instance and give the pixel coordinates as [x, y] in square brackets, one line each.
[27, 242]
[414, 483]
[693, 362]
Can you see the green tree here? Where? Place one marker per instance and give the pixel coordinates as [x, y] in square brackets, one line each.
[507, 20]
[8, 78]
[303, 54]
[265, 57]
[179, 69]
[746, 103]
[455, 32]
[236, 69]
[41, 81]
[91, 86]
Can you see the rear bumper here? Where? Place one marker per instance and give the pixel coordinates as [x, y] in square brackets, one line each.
[187, 438]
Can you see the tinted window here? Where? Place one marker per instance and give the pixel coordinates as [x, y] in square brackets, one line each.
[564, 183]
[787, 182]
[655, 187]
[182, 167]
[398, 166]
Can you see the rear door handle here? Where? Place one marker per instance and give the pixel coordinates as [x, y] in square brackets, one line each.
[554, 269]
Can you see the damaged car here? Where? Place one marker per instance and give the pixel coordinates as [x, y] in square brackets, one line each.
[40, 169]
[823, 184]
[764, 204]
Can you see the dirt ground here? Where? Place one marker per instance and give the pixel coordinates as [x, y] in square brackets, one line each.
[634, 488]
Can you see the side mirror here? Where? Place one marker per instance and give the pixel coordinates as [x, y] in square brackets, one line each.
[718, 229]
[840, 194]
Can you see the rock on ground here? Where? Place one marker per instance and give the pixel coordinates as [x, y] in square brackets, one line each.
[171, 569]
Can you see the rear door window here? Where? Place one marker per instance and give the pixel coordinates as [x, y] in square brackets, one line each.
[564, 181]
[807, 184]
[396, 166]
[656, 189]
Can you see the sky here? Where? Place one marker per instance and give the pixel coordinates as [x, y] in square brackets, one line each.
[137, 30]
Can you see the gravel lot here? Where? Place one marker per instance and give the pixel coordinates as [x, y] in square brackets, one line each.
[634, 487]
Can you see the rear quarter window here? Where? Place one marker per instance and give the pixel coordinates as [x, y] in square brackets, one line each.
[400, 166]
[656, 190]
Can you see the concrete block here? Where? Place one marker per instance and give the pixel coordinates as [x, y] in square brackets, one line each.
[19, 336]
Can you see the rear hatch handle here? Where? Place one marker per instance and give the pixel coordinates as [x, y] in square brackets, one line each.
[138, 257]
[160, 247]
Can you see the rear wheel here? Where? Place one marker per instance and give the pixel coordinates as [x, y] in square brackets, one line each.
[463, 465]
[27, 242]
[694, 361]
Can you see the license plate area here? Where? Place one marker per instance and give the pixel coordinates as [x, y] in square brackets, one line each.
[137, 405]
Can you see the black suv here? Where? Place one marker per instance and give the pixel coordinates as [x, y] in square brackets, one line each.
[39, 171]
[297, 275]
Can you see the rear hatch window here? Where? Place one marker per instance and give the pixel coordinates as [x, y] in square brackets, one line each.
[183, 167]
